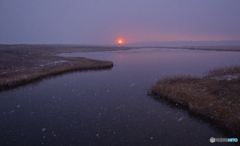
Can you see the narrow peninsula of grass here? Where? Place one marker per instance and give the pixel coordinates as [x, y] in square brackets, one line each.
[20, 64]
[216, 95]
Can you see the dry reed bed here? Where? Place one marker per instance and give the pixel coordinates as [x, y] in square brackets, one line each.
[216, 95]
[20, 64]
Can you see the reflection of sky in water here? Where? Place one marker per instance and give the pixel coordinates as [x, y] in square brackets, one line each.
[166, 61]
[110, 107]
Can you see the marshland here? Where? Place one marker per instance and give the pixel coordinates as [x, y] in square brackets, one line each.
[107, 102]
[21, 64]
[215, 96]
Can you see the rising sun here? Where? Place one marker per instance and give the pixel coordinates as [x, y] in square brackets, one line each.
[120, 41]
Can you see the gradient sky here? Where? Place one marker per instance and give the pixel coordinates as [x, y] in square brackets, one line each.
[104, 21]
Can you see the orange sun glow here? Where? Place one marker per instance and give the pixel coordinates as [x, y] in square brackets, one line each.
[120, 41]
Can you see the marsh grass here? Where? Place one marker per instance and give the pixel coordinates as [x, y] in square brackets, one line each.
[21, 64]
[215, 96]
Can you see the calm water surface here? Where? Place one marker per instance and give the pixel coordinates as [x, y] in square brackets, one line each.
[110, 107]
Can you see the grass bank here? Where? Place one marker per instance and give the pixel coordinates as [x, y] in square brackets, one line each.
[21, 64]
[215, 96]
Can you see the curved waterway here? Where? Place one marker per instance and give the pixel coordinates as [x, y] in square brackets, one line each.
[110, 107]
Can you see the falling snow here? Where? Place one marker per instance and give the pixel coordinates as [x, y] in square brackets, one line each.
[132, 85]
[180, 119]
[44, 129]
[12, 111]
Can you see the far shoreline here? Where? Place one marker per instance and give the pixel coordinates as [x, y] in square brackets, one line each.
[205, 48]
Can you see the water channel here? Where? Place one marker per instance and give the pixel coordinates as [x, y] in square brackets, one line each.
[110, 107]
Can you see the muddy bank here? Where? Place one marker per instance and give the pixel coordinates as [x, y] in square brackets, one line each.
[215, 96]
[20, 64]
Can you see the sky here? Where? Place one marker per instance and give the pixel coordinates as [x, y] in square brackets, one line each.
[106, 21]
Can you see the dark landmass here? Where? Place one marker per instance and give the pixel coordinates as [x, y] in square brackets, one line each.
[227, 43]
[215, 96]
[20, 64]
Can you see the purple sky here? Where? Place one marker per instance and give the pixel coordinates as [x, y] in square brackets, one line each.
[104, 21]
